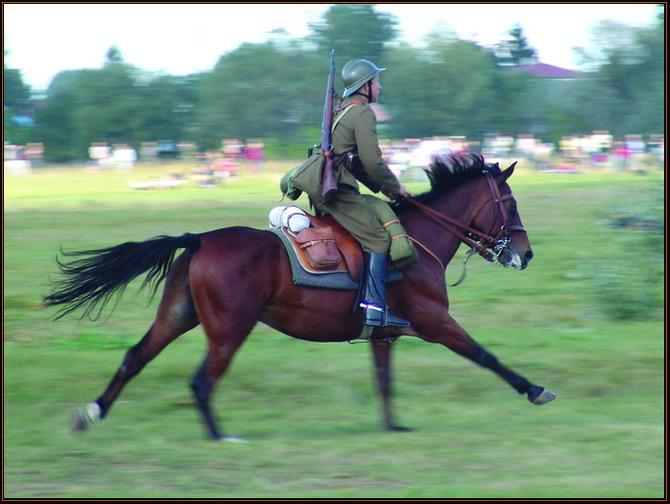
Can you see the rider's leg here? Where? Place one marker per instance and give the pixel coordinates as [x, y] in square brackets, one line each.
[349, 208]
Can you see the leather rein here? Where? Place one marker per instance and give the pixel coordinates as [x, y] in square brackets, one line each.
[488, 246]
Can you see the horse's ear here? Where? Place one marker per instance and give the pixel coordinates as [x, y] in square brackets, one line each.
[508, 173]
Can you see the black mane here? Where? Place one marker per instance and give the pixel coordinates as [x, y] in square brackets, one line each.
[447, 172]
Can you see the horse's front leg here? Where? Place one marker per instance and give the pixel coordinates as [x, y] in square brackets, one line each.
[445, 330]
[381, 351]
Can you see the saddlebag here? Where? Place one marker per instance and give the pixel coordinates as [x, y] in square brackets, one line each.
[320, 247]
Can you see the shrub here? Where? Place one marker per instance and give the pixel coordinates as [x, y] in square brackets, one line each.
[627, 280]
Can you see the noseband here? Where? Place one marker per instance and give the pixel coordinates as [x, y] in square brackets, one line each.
[488, 246]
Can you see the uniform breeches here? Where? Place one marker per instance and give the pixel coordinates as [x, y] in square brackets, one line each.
[349, 208]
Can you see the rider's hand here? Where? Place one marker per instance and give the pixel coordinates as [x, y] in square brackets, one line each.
[402, 191]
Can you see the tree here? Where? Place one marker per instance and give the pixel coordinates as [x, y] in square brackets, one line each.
[514, 51]
[626, 91]
[260, 91]
[165, 108]
[114, 55]
[115, 104]
[354, 31]
[16, 96]
[55, 125]
[519, 49]
[15, 92]
[450, 87]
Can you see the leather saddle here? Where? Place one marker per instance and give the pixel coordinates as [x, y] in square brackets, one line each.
[327, 246]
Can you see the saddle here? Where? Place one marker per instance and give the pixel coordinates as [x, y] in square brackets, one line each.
[324, 254]
[326, 246]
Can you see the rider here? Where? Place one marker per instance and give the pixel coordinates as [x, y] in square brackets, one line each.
[356, 133]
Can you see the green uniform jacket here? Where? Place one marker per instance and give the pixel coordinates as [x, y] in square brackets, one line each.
[355, 132]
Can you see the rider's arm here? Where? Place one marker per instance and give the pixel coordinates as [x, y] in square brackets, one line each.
[369, 153]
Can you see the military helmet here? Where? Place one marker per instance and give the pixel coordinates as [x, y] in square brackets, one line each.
[357, 72]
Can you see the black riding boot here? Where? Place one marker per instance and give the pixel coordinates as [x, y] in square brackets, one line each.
[374, 293]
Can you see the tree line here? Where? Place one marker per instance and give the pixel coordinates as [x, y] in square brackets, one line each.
[274, 90]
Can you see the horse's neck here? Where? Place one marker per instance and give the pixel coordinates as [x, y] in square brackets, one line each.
[457, 205]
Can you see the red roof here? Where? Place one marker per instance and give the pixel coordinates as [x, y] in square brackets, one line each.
[546, 71]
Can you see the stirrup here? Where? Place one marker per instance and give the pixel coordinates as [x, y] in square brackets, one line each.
[366, 337]
[376, 316]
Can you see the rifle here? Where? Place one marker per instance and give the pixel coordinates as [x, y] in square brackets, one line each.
[328, 182]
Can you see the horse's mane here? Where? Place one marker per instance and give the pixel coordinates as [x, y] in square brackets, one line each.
[446, 172]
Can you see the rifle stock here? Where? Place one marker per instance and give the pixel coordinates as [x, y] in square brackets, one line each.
[328, 181]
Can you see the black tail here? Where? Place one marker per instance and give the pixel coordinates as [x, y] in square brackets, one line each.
[91, 282]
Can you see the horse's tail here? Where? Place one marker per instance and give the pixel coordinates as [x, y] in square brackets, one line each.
[91, 282]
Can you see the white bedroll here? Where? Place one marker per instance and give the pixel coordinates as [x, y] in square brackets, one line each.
[292, 217]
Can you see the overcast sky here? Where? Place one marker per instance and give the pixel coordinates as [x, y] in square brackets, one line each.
[44, 39]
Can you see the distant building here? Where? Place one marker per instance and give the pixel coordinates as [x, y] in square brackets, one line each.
[549, 90]
[545, 71]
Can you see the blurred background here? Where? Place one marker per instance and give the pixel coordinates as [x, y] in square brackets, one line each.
[458, 77]
[127, 121]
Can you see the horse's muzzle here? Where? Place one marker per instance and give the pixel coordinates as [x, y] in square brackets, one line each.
[511, 258]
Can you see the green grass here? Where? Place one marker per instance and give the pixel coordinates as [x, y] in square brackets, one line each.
[310, 410]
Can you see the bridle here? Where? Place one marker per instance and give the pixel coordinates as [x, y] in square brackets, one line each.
[486, 245]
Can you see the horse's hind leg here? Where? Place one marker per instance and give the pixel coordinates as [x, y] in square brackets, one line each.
[381, 352]
[225, 338]
[176, 315]
[446, 331]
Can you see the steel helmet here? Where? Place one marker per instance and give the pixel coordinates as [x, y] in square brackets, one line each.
[357, 72]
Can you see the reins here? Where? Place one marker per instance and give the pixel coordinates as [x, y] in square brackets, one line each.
[447, 222]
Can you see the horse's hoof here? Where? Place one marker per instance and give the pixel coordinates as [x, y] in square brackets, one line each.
[543, 397]
[87, 414]
[233, 439]
[398, 428]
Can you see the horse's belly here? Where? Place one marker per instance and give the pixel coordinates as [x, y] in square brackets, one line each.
[315, 323]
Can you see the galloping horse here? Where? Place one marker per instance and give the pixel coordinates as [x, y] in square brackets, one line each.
[231, 278]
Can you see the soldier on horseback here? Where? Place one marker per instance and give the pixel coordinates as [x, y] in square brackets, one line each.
[358, 158]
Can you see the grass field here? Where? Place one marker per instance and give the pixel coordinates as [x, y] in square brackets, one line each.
[309, 411]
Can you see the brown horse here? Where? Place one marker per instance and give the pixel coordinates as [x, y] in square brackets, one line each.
[230, 279]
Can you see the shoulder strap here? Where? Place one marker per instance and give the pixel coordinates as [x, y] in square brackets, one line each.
[341, 114]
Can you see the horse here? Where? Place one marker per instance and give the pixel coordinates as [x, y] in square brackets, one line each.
[229, 279]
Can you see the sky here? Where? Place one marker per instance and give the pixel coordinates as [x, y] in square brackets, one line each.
[42, 40]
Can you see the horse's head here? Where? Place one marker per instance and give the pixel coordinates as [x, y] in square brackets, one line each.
[496, 214]
[472, 200]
